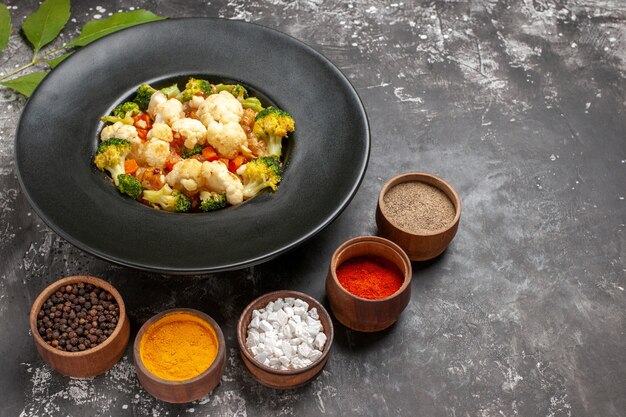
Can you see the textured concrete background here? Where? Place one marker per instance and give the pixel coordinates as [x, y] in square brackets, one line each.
[518, 104]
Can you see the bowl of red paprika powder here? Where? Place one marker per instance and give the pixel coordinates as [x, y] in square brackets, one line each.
[368, 283]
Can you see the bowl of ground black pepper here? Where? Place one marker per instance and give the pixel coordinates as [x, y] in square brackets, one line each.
[368, 283]
[420, 212]
[80, 326]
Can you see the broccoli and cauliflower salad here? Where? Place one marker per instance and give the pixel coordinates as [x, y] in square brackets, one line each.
[199, 149]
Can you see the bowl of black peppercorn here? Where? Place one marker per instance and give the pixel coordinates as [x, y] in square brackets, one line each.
[80, 326]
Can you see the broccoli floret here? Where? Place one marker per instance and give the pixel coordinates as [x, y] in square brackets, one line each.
[111, 155]
[186, 153]
[260, 173]
[252, 103]
[168, 199]
[123, 113]
[237, 90]
[142, 98]
[210, 201]
[171, 91]
[128, 108]
[129, 185]
[272, 125]
[195, 86]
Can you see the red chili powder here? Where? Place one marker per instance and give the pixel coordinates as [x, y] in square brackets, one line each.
[370, 277]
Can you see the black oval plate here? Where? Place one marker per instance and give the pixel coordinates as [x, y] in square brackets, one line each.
[57, 136]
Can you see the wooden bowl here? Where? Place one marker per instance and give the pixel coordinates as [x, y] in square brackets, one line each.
[188, 390]
[426, 245]
[361, 314]
[90, 362]
[271, 377]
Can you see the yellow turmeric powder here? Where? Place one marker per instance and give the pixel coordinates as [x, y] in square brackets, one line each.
[178, 347]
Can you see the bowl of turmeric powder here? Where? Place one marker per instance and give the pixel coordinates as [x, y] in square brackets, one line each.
[179, 355]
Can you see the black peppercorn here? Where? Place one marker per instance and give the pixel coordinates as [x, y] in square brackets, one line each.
[77, 317]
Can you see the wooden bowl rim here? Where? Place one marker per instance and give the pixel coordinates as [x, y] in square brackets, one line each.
[408, 274]
[271, 296]
[220, 355]
[51, 289]
[420, 176]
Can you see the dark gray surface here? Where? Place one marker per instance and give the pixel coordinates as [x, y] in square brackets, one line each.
[519, 105]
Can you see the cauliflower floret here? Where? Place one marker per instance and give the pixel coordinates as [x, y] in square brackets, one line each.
[163, 110]
[227, 138]
[121, 131]
[156, 100]
[124, 131]
[219, 179]
[186, 175]
[169, 112]
[154, 153]
[192, 130]
[195, 102]
[161, 131]
[222, 107]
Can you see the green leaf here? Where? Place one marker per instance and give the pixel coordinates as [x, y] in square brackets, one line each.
[5, 26]
[52, 63]
[46, 23]
[95, 29]
[25, 84]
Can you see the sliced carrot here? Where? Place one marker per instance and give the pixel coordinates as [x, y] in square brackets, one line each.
[130, 166]
[172, 160]
[224, 161]
[209, 153]
[143, 117]
[142, 133]
[236, 162]
[178, 138]
[198, 157]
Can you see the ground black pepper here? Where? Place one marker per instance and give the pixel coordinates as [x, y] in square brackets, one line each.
[415, 206]
[78, 317]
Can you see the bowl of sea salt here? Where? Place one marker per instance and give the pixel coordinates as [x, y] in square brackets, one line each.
[284, 338]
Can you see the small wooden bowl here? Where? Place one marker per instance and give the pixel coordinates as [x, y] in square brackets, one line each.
[422, 246]
[90, 362]
[190, 389]
[271, 377]
[361, 314]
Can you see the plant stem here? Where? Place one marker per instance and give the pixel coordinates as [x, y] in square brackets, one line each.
[20, 69]
[53, 52]
[35, 61]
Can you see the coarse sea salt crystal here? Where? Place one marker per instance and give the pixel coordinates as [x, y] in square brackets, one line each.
[320, 341]
[286, 334]
[265, 326]
[304, 350]
[282, 318]
[315, 355]
[286, 348]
